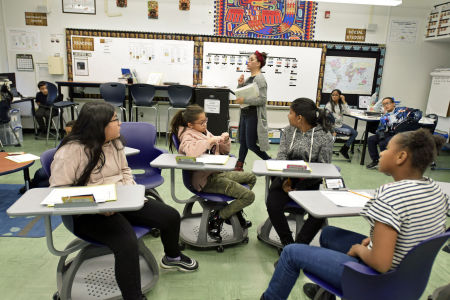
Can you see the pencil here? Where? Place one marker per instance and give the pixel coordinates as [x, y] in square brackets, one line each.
[359, 194]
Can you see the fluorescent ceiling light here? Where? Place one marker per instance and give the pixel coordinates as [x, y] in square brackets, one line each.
[366, 2]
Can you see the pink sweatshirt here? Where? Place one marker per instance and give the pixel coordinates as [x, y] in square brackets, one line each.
[70, 161]
[194, 143]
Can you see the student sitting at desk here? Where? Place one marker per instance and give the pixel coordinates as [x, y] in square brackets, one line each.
[337, 99]
[43, 111]
[401, 215]
[306, 138]
[386, 128]
[93, 154]
[195, 139]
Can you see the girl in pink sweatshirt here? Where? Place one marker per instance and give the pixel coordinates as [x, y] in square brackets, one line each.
[195, 139]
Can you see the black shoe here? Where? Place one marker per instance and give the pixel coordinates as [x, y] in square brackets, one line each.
[310, 290]
[372, 165]
[185, 264]
[244, 223]
[344, 151]
[23, 190]
[215, 223]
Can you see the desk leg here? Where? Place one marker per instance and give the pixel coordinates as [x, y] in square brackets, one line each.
[355, 126]
[26, 177]
[130, 106]
[363, 154]
[75, 246]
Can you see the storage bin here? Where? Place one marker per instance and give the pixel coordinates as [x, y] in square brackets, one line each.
[6, 136]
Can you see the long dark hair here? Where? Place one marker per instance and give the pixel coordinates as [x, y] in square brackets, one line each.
[182, 118]
[306, 108]
[339, 101]
[89, 130]
[422, 146]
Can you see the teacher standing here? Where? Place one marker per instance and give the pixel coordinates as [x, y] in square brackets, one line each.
[253, 132]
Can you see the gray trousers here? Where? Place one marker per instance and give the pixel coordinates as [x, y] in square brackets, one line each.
[229, 183]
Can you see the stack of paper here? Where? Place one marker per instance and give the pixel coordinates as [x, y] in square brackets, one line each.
[347, 198]
[280, 165]
[250, 91]
[102, 193]
[22, 158]
[213, 159]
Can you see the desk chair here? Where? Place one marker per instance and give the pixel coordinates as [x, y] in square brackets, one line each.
[114, 94]
[179, 98]
[142, 136]
[194, 226]
[432, 128]
[5, 120]
[408, 281]
[90, 274]
[340, 136]
[58, 106]
[143, 95]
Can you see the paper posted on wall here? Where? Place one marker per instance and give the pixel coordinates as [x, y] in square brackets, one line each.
[247, 92]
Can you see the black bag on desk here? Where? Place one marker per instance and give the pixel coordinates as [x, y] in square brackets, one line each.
[298, 184]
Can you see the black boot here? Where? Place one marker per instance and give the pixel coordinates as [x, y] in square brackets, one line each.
[244, 223]
[215, 223]
[344, 151]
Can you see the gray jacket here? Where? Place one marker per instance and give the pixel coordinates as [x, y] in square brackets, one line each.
[300, 148]
[338, 114]
[260, 103]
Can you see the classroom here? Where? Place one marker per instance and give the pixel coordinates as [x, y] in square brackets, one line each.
[340, 102]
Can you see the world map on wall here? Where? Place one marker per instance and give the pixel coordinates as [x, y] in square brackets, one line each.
[351, 75]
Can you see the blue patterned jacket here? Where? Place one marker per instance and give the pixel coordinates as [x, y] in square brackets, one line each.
[389, 121]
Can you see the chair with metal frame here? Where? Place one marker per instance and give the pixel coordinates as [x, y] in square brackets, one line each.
[179, 98]
[114, 94]
[143, 95]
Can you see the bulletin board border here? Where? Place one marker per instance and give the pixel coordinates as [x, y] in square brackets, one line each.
[198, 49]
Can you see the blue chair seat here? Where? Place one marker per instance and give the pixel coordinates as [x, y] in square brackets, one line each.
[64, 104]
[217, 197]
[150, 179]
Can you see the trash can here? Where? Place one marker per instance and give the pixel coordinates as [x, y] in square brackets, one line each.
[215, 102]
[6, 136]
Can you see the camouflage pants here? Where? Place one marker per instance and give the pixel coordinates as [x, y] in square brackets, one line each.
[229, 183]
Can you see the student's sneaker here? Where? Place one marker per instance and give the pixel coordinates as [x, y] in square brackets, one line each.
[215, 223]
[244, 223]
[185, 264]
[372, 165]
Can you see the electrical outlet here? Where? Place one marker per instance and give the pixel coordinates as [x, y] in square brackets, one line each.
[141, 114]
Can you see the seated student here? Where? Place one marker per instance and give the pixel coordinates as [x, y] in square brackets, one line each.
[402, 214]
[42, 114]
[195, 139]
[93, 154]
[306, 138]
[337, 99]
[386, 128]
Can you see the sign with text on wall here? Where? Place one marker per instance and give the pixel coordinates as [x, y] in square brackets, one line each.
[35, 19]
[355, 35]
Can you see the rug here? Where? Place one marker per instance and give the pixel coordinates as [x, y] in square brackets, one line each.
[275, 19]
[20, 226]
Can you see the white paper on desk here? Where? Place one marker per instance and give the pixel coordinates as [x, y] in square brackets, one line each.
[280, 165]
[102, 193]
[23, 157]
[347, 199]
[213, 159]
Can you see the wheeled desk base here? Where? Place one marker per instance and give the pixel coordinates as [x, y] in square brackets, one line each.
[92, 274]
[194, 226]
[267, 234]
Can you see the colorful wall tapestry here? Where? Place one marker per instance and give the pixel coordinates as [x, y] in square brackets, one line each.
[274, 19]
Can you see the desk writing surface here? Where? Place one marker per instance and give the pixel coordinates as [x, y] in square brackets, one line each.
[129, 198]
[320, 207]
[168, 161]
[317, 170]
[131, 151]
[445, 186]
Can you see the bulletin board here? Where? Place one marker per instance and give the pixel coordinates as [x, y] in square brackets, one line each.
[99, 56]
[290, 72]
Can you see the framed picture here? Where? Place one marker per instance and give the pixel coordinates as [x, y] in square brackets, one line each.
[81, 67]
[79, 6]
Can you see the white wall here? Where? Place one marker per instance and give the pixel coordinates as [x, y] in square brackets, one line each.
[406, 69]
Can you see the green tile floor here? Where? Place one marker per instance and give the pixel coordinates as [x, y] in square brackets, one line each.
[241, 272]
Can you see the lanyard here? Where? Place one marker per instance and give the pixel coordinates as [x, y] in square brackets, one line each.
[312, 141]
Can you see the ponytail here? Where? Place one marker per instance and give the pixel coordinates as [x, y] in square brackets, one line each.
[181, 119]
[312, 114]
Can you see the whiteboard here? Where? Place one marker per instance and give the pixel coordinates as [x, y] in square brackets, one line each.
[290, 72]
[439, 99]
[174, 59]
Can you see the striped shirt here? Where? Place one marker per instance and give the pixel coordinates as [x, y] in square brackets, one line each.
[416, 209]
